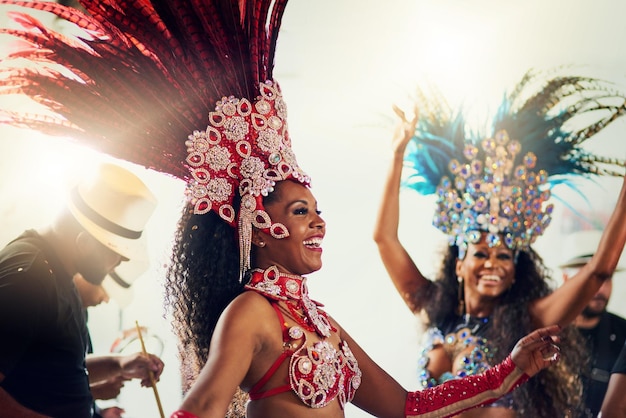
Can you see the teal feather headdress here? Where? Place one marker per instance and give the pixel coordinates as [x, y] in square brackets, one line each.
[500, 183]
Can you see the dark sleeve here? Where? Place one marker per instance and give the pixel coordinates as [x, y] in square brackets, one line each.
[620, 363]
[25, 289]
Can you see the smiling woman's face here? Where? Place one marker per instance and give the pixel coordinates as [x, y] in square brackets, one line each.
[487, 271]
[294, 206]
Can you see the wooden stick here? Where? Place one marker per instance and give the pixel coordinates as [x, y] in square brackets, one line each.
[151, 374]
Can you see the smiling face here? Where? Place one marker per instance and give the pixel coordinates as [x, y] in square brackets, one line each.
[487, 273]
[294, 206]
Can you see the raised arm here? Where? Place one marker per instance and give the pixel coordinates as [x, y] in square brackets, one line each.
[565, 303]
[403, 272]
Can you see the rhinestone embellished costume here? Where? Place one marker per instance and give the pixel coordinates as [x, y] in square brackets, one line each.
[318, 373]
[456, 396]
[469, 351]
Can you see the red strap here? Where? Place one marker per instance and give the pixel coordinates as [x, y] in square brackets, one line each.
[281, 320]
[255, 393]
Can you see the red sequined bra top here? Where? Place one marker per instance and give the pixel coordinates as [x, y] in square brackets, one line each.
[318, 373]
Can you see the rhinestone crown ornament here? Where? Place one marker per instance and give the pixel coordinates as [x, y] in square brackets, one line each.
[501, 185]
[493, 196]
[245, 149]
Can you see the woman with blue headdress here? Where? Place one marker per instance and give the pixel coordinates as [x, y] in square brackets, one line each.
[492, 195]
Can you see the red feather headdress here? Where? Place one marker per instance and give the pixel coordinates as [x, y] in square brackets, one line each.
[183, 87]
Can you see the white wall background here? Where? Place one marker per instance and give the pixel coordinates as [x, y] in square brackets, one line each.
[341, 65]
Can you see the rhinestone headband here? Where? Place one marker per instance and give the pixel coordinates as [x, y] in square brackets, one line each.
[493, 196]
[245, 148]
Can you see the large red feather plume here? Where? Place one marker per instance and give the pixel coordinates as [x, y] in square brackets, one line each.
[142, 75]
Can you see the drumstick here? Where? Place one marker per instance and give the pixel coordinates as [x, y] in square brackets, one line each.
[152, 381]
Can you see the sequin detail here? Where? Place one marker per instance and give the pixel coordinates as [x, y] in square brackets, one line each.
[293, 290]
[492, 195]
[319, 373]
[245, 148]
[469, 352]
[456, 396]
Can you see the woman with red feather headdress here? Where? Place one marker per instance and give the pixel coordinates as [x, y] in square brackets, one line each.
[185, 88]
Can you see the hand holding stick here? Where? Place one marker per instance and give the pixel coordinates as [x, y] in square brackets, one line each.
[152, 381]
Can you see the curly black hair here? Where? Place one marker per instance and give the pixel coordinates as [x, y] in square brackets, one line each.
[555, 391]
[202, 278]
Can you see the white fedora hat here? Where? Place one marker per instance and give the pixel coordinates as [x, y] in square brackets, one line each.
[114, 205]
[579, 247]
[118, 283]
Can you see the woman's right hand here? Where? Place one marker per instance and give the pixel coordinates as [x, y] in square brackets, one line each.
[404, 130]
[537, 350]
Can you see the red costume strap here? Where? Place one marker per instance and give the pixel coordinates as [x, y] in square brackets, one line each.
[183, 414]
[456, 396]
[255, 393]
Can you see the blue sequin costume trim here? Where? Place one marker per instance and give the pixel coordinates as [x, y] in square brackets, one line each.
[469, 351]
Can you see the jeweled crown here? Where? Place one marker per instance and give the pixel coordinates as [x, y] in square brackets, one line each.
[500, 185]
[245, 149]
[492, 195]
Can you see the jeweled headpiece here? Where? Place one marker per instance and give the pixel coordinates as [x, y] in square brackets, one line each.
[137, 80]
[245, 149]
[501, 184]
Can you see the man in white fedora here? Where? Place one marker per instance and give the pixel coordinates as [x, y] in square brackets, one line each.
[42, 323]
[604, 331]
[117, 285]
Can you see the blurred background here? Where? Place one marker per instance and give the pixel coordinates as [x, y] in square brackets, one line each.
[341, 65]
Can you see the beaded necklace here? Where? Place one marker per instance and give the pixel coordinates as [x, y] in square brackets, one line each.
[292, 290]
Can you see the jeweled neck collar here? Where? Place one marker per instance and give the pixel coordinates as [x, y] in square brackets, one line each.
[292, 289]
[276, 285]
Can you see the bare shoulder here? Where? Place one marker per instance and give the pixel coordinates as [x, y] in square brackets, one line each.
[248, 308]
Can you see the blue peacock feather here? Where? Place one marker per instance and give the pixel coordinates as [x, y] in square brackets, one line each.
[500, 182]
[539, 122]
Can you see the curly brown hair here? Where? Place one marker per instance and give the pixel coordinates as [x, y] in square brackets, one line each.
[557, 390]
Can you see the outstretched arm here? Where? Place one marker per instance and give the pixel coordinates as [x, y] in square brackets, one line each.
[565, 303]
[380, 395]
[531, 354]
[403, 272]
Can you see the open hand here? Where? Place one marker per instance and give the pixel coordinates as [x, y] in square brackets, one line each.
[405, 129]
[537, 350]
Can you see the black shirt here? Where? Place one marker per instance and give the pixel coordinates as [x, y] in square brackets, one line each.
[43, 329]
[605, 342]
